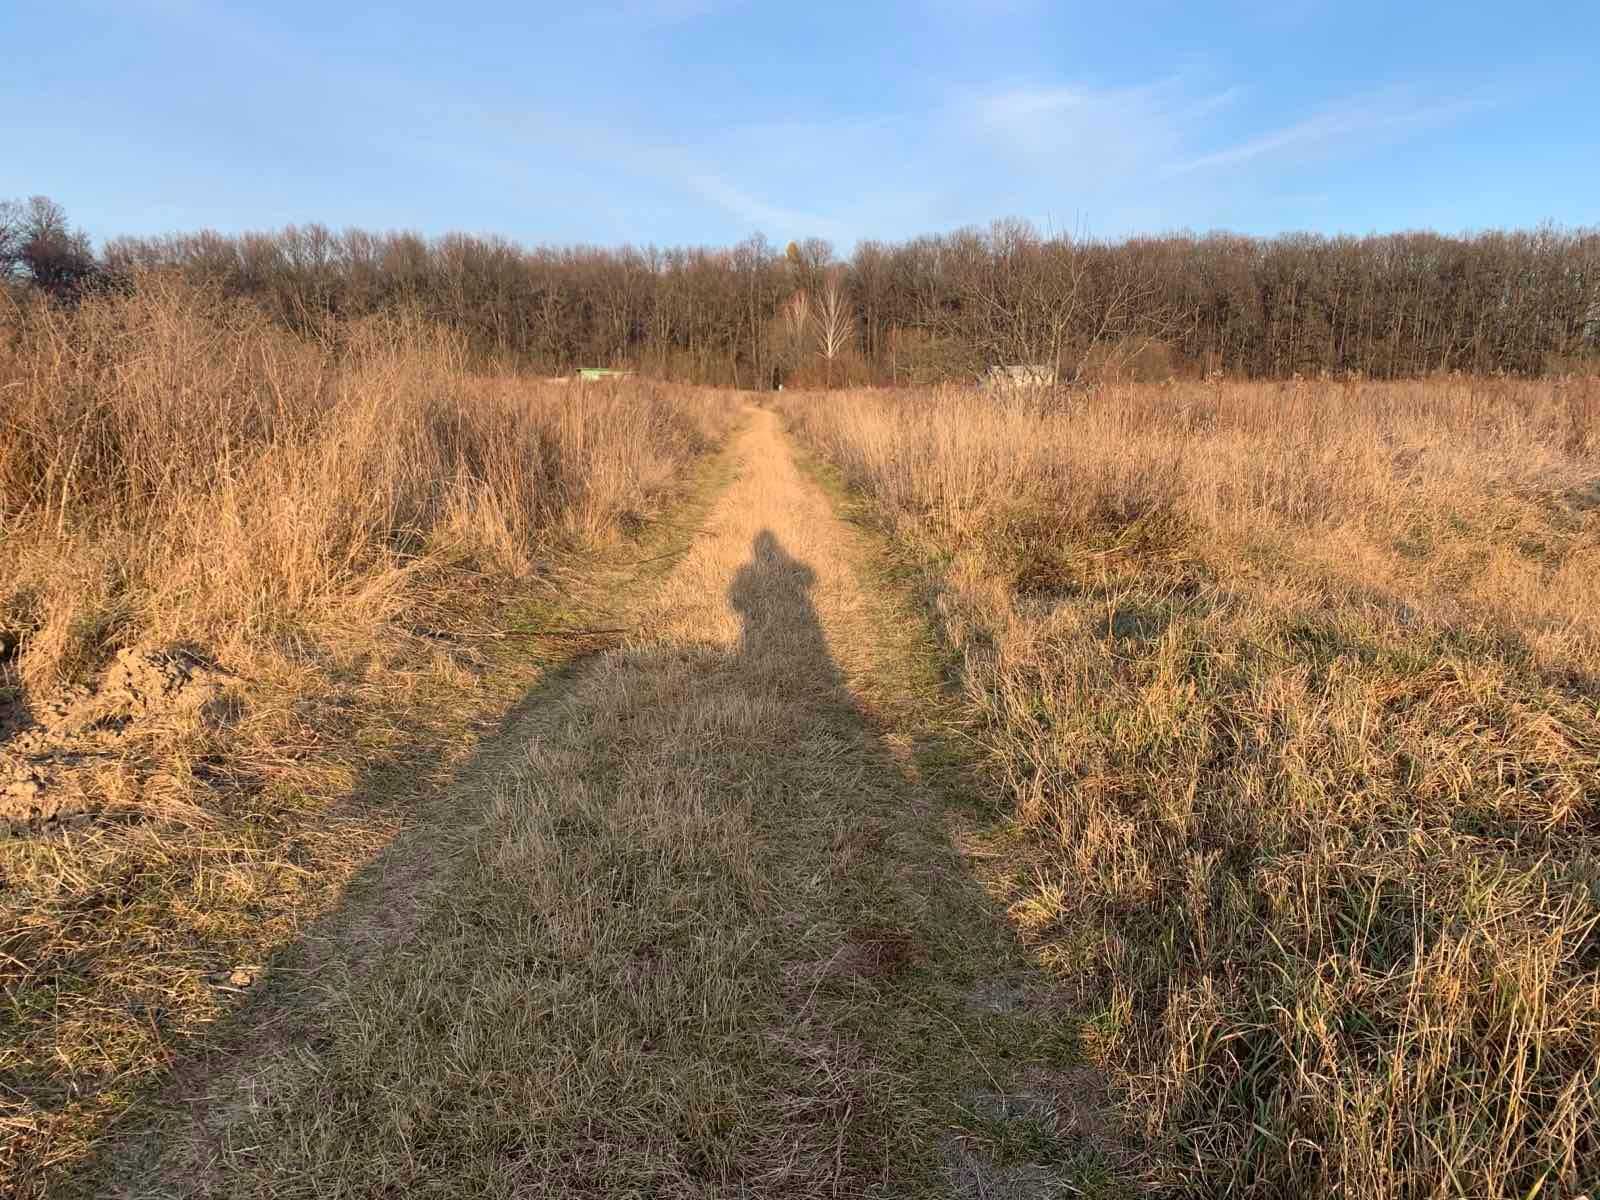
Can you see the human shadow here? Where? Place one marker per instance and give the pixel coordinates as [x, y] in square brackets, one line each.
[904, 958]
[379, 907]
[781, 633]
[861, 940]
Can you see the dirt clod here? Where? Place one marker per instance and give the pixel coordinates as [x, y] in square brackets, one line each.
[50, 749]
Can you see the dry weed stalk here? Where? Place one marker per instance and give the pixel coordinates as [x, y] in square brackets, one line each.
[333, 519]
[1295, 692]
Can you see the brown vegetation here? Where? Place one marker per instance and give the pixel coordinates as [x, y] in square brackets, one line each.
[246, 571]
[946, 306]
[1293, 695]
[1290, 693]
[704, 934]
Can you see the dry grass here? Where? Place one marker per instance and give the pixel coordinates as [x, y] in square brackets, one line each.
[1294, 695]
[177, 466]
[336, 526]
[706, 939]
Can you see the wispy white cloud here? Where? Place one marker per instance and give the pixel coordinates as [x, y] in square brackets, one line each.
[1048, 119]
[1353, 122]
[683, 169]
[1095, 136]
[1040, 145]
[1021, 108]
[755, 212]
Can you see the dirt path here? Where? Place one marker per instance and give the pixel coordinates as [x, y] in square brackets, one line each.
[711, 935]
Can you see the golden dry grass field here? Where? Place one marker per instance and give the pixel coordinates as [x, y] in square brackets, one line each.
[422, 782]
[259, 595]
[1290, 694]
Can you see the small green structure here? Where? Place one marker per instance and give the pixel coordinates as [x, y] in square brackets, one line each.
[596, 374]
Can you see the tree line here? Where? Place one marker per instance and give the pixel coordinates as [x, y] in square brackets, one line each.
[934, 307]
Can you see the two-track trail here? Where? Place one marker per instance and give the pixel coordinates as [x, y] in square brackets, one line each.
[709, 935]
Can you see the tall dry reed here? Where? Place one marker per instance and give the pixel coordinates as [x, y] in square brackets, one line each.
[1293, 693]
[173, 465]
[329, 523]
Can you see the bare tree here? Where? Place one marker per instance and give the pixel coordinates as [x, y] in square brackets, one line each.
[791, 333]
[834, 320]
[936, 307]
[36, 238]
[873, 286]
[13, 225]
[808, 262]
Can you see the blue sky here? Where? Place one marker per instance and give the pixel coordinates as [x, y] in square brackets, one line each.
[700, 121]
